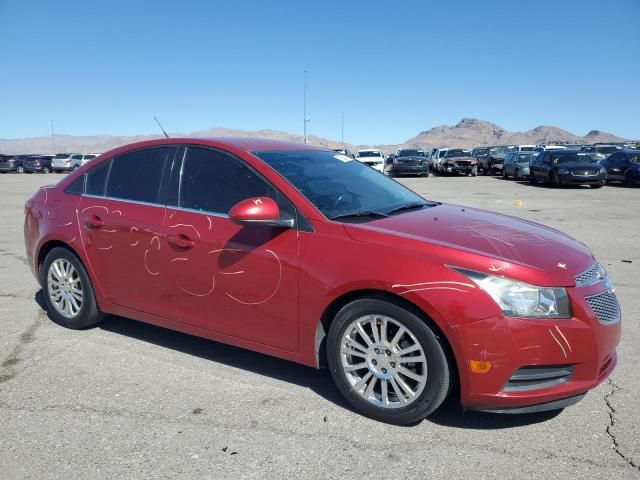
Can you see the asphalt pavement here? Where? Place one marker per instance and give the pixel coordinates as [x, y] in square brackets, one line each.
[128, 400]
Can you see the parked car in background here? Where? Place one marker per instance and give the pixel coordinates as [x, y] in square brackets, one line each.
[437, 156]
[516, 164]
[13, 163]
[78, 162]
[458, 161]
[478, 151]
[623, 167]
[600, 152]
[344, 151]
[372, 158]
[544, 148]
[410, 161]
[39, 163]
[576, 147]
[566, 167]
[63, 162]
[491, 162]
[524, 148]
[284, 249]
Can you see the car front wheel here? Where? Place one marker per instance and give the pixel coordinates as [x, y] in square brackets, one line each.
[68, 293]
[387, 362]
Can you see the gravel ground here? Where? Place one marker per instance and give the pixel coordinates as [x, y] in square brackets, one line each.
[128, 400]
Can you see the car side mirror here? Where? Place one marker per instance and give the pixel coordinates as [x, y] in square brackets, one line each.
[259, 211]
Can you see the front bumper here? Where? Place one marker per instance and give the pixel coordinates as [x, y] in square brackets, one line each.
[458, 169]
[400, 169]
[581, 344]
[569, 179]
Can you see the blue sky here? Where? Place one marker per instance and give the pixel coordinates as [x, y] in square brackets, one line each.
[393, 68]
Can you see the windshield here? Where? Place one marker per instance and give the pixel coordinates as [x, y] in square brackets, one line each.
[524, 157]
[570, 157]
[499, 151]
[527, 149]
[458, 153]
[368, 153]
[62, 155]
[410, 153]
[607, 150]
[337, 185]
[480, 151]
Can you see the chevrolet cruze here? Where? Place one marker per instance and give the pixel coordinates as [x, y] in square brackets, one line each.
[311, 256]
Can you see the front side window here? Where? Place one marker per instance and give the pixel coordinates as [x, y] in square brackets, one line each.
[338, 186]
[137, 175]
[214, 181]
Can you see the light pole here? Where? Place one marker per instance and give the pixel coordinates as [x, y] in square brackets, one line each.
[342, 128]
[53, 139]
[305, 119]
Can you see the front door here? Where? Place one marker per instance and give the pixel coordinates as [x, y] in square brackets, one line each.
[237, 280]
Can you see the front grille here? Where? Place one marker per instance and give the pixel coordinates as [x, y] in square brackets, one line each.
[590, 276]
[410, 163]
[534, 377]
[583, 173]
[606, 307]
[463, 163]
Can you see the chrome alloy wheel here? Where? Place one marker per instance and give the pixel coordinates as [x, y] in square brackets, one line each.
[383, 361]
[64, 288]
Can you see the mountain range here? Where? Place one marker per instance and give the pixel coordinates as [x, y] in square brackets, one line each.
[467, 133]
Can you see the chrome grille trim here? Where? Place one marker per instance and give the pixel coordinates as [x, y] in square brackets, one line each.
[605, 306]
[590, 276]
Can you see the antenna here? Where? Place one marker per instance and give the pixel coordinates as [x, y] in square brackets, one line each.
[158, 122]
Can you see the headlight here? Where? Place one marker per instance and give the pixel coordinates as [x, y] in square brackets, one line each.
[603, 170]
[563, 171]
[517, 299]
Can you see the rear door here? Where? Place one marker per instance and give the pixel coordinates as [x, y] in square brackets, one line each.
[121, 218]
[238, 280]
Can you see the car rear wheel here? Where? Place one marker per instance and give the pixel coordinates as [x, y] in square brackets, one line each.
[68, 293]
[628, 179]
[387, 362]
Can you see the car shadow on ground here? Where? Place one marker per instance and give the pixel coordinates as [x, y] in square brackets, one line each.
[450, 414]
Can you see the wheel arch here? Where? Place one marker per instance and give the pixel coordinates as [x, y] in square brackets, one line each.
[49, 245]
[322, 327]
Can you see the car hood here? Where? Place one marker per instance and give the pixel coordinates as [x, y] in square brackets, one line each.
[500, 237]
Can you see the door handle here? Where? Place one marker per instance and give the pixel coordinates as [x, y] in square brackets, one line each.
[181, 240]
[94, 221]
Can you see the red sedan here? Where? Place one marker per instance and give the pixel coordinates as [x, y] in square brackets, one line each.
[308, 255]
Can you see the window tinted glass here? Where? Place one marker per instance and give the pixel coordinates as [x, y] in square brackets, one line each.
[77, 187]
[96, 178]
[137, 175]
[213, 181]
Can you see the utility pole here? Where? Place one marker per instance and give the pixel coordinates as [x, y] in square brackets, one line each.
[306, 119]
[342, 128]
[53, 139]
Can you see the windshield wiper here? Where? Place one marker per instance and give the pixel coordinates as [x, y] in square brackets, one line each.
[408, 206]
[361, 213]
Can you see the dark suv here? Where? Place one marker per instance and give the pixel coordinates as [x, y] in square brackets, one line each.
[490, 161]
[410, 161]
[38, 164]
[623, 167]
[566, 167]
[13, 163]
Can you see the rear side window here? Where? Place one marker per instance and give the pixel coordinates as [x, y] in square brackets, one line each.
[96, 178]
[214, 181]
[137, 175]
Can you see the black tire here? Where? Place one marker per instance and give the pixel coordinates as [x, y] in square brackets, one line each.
[89, 315]
[628, 179]
[474, 171]
[504, 174]
[19, 169]
[45, 170]
[438, 378]
[551, 180]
